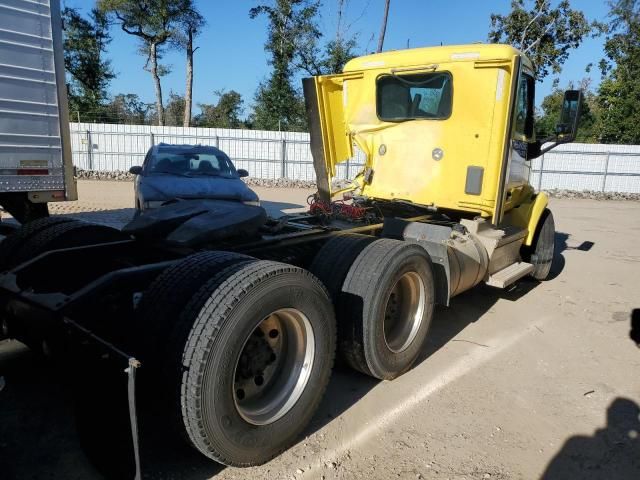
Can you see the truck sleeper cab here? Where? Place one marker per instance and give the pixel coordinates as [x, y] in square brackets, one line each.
[232, 320]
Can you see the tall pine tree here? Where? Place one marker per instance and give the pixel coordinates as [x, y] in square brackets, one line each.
[89, 73]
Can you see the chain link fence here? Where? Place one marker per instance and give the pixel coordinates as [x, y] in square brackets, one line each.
[272, 155]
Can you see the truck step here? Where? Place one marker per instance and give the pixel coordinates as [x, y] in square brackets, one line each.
[509, 275]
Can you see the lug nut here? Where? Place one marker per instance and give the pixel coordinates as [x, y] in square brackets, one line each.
[273, 333]
[259, 380]
[240, 394]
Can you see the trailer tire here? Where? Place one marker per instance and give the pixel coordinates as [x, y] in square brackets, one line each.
[542, 250]
[227, 315]
[63, 235]
[14, 242]
[386, 308]
[331, 264]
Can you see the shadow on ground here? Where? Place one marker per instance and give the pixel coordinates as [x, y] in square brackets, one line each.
[38, 435]
[611, 453]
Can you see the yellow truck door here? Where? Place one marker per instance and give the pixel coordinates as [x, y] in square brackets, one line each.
[331, 141]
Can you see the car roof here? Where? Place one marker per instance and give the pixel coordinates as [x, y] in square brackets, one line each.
[187, 147]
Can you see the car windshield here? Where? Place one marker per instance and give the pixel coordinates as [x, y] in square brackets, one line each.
[191, 162]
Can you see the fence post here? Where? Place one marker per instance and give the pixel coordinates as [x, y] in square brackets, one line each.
[606, 171]
[541, 171]
[89, 151]
[152, 138]
[217, 141]
[283, 158]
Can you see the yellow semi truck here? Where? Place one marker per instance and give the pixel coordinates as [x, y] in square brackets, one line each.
[236, 317]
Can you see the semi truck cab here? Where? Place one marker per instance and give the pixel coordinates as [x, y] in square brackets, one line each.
[451, 128]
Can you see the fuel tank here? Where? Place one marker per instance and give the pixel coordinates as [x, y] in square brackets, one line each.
[468, 261]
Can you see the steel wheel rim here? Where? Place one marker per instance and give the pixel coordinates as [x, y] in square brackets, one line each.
[404, 312]
[274, 366]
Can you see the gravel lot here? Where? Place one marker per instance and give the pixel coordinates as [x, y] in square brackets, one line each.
[540, 381]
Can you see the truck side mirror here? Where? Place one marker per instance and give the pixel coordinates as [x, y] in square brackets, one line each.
[242, 173]
[567, 128]
[135, 170]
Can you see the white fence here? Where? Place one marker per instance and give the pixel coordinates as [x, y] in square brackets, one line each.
[106, 147]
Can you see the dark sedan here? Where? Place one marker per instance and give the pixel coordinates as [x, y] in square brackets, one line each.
[175, 172]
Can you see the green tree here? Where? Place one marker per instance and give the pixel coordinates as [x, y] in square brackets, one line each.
[126, 108]
[619, 92]
[225, 113]
[545, 34]
[89, 73]
[174, 110]
[278, 105]
[549, 116]
[154, 22]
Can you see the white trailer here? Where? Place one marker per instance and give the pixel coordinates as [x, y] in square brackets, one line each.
[35, 151]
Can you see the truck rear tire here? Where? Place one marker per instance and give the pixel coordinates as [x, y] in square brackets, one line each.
[61, 235]
[386, 308]
[541, 252]
[331, 264]
[158, 314]
[256, 361]
[10, 245]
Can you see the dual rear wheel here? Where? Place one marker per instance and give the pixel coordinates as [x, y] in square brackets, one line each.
[384, 299]
[251, 343]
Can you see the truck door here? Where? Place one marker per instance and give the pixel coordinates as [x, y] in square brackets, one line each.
[331, 143]
[523, 131]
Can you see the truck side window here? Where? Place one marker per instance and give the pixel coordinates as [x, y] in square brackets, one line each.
[416, 96]
[524, 106]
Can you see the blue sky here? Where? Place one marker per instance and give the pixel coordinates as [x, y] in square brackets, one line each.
[231, 54]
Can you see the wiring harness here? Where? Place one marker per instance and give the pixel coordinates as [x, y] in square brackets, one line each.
[338, 209]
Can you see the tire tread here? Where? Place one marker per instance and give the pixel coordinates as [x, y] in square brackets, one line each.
[210, 308]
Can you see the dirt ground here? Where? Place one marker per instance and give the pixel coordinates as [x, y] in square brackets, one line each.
[540, 381]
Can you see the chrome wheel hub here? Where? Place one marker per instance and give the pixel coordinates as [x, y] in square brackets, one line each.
[274, 366]
[404, 312]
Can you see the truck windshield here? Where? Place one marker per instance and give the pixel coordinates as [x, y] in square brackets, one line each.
[416, 96]
[190, 162]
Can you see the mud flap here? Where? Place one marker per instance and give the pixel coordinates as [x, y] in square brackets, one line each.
[132, 366]
[431, 237]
